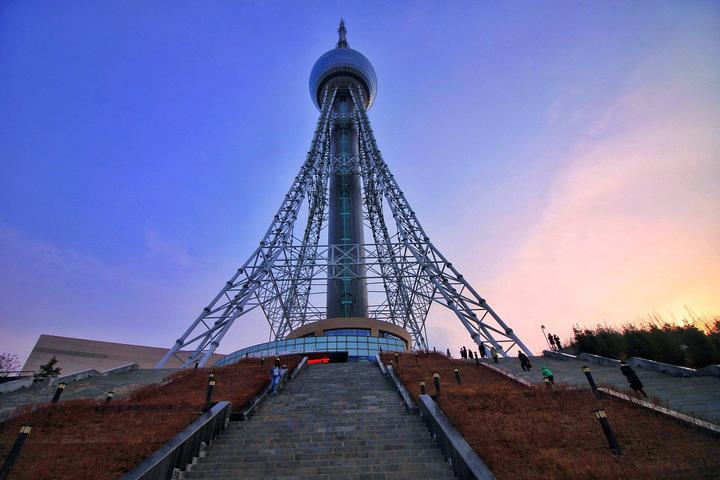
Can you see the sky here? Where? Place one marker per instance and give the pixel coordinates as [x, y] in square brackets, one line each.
[564, 156]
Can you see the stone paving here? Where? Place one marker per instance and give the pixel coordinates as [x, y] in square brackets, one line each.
[91, 387]
[334, 421]
[696, 396]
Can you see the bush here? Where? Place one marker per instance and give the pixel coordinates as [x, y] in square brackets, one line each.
[694, 343]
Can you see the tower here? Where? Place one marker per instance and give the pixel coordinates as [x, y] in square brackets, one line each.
[300, 282]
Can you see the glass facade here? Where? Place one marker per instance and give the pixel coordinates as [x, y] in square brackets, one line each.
[384, 334]
[356, 346]
[356, 332]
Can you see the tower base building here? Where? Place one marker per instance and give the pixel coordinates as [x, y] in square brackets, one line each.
[359, 338]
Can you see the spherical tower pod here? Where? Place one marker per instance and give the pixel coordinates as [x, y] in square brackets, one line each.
[342, 64]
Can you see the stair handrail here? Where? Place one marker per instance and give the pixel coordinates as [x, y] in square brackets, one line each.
[183, 447]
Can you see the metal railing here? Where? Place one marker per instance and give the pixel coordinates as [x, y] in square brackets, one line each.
[184, 447]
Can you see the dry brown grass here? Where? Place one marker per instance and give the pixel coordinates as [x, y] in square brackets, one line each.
[86, 439]
[523, 433]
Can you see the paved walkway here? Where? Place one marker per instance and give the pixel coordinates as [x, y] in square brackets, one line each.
[92, 387]
[696, 396]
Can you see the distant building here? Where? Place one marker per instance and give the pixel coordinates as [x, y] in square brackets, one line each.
[74, 354]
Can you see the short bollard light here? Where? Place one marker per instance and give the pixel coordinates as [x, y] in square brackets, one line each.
[548, 385]
[436, 379]
[477, 360]
[262, 361]
[397, 358]
[197, 364]
[60, 389]
[108, 396]
[416, 359]
[609, 434]
[210, 388]
[422, 388]
[15, 450]
[457, 376]
[591, 381]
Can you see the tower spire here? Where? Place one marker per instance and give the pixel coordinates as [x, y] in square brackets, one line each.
[342, 32]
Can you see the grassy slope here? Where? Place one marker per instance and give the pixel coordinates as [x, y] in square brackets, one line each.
[524, 433]
[87, 439]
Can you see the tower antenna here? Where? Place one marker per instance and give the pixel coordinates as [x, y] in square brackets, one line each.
[342, 33]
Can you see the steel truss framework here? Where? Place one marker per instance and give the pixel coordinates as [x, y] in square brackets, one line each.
[286, 272]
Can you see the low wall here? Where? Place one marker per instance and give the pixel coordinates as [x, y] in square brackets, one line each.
[464, 461]
[643, 363]
[171, 458]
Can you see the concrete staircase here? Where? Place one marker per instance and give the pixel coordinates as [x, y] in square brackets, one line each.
[696, 396]
[91, 387]
[334, 421]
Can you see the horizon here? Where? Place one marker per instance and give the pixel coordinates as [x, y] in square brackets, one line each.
[565, 159]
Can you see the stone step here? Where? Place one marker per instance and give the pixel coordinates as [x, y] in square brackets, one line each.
[333, 421]
[286, 461]
[329, 454]
[335, 471]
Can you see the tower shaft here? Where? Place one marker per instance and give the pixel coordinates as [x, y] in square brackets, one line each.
[347, 295]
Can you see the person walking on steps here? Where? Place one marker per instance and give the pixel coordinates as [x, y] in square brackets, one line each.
[448, 353]
[632, 378]
[524, 361]
[275, 376]
[547, 373]
[483, 353]
[494, 354]
[462, 352]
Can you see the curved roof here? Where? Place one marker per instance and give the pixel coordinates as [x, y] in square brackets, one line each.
[343, 62]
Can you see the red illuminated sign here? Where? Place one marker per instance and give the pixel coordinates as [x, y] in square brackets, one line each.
[319, 360]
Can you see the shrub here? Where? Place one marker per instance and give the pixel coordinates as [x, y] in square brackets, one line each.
[693, 343]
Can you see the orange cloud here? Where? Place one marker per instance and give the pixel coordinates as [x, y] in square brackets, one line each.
[632, 224]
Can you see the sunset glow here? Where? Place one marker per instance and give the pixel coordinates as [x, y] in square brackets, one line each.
[565, 157]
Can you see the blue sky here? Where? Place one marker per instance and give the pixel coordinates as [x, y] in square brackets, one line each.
[564, 155]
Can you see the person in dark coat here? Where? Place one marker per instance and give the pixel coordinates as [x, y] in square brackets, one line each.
[632, 378]
[483, 353]
[524, 361]
[552, 341]
[557, 342]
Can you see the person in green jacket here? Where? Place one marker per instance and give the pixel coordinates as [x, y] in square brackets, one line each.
[547, 373]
